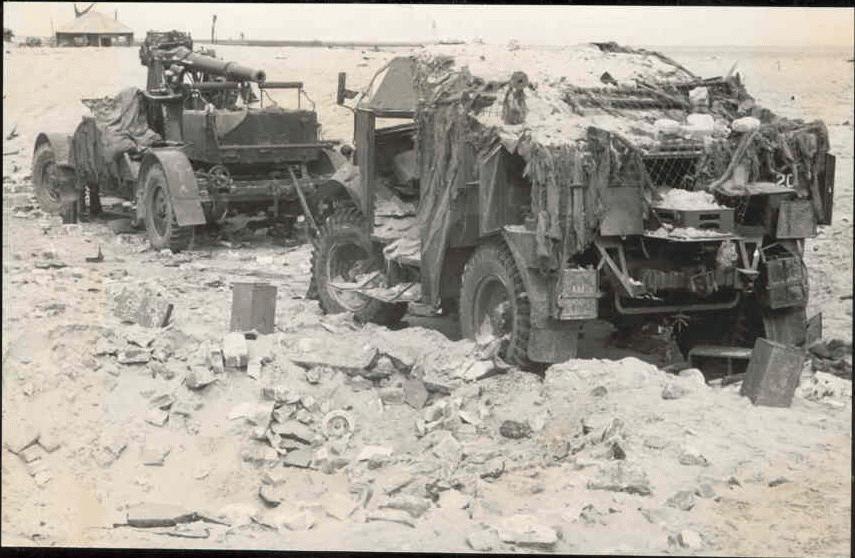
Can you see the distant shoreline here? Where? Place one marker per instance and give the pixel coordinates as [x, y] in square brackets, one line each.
[327, 44]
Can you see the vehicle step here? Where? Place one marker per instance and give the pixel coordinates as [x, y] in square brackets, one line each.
[720, 351]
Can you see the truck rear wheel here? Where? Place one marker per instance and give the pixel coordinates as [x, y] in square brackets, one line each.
[342, 251]
[493, 303]
[49, 182]
[160, 222]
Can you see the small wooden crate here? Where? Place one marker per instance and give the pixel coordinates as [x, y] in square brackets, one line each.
[718, 220]
[773, 373]
[253, 307]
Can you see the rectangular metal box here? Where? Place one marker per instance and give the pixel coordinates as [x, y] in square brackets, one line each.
[785, 282]
[796, 219]
[773, 373]
[253, 307]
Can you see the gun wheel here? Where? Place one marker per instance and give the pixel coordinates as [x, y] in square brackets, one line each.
[341, 252]
[160, 222]
[49, 182]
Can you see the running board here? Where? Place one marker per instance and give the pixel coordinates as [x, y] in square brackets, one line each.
[728, 354]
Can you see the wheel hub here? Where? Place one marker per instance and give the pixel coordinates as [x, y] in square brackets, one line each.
[345, 264]
[493, 311]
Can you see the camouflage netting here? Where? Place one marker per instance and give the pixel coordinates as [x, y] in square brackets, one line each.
[587, 124]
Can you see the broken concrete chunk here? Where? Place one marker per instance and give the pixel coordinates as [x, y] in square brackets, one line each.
[483, 540]
[683, 500]
[199, 377]
[395, 481]
[415, 393]
[162, 401]
[19, 437]
[338, 506]
[299, 458]
[158, 515]
[295, 430]
[691, 456]
[413, 505]
[293, 520]
[515, 430]
[621, 476]
[49, 441]
[525, 530]
[373, 452]
[694, 375]
[186, 531]
[394, 516]
[392, 395]
[481, 369]
[260, 455]
[157, 417]
[271, 495]
[141, 305]
[235, 350]
[134, 356]
[689, 539]
[673, 390]
[31, 453]
[383, 368]
[154, 456]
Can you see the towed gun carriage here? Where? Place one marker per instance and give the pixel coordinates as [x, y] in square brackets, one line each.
[196, 145]
[628, 189]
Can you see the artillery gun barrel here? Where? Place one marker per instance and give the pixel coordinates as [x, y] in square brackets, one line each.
[229, 70]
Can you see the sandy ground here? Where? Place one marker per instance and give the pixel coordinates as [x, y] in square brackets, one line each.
[611, 455]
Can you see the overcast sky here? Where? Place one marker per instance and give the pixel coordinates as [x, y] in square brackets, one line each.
[639, 25]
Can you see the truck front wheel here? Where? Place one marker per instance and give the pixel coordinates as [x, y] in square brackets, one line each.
[343, 252]
[494, 304]
[54, 185]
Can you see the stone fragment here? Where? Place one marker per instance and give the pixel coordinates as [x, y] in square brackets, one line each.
[295, 430]
[778, 481]
[338, 506]
[31, 453]
[162, 400]
[295, 520]
[453, 500]
[373, 452]
[515, 430]
[415, 393]
[591, 515]
[301, 458]
[621, 476]
[253, 368]
[599, 391]
[20, 436]
[383, 368]
[235, 350]
[313, 375]
[134, 356]
[705, 490]
[141, 305]
[526, 530]
[673, 390]
[691, 456]
[392, 395]
[393, 516]
[49, 441]
[493, 468]
[259, 454]
[394, 481]
[689, 539]
[186, 531]
[157, 417]
[483, 540]
[271, 495]
[481, 369]
[154, 456]
[158, 515]
[199, 377]
[683, 500]
[693, 374]
[413, 505]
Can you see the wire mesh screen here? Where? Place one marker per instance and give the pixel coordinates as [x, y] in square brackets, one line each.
[674, 172]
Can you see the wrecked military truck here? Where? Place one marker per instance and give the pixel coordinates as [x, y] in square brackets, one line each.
[197, 145]
[534, 190]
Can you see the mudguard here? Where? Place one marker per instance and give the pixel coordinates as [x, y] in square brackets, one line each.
[61, 144]
[181, 181]
[550, 340]
[344, 183]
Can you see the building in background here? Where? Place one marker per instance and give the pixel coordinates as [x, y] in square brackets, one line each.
[94, 29]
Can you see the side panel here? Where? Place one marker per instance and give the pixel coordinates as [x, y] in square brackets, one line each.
[181, 181]
[364, 138]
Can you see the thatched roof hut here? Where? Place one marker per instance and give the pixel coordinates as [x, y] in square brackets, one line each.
[94, 29]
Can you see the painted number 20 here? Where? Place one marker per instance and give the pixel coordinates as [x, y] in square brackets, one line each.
[785, 180]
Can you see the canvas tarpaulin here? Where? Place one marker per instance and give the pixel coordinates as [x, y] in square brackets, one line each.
[118, 125]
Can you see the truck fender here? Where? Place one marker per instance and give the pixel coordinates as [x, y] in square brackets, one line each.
[343, 185]
[61, 144]
[550, 340]
[181, 184]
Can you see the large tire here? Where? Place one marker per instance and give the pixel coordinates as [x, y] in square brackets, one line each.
[493, 302]
[343, 242]
[49, 179]
[160, 222]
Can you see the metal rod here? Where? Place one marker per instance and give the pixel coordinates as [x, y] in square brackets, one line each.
[306, 211]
